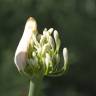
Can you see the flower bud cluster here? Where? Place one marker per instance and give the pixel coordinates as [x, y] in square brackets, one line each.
[39, 54]
[43, 54]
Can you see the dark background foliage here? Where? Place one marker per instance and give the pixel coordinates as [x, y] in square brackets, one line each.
[76, 22]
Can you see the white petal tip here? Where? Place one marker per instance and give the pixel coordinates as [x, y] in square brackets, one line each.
[31, 24]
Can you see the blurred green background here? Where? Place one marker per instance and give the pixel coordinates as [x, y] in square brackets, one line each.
[76, 22]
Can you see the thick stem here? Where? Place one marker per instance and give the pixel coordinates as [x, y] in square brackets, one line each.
[35, 88]
[31, 88]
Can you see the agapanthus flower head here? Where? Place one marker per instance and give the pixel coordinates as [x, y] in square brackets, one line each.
[39, 54]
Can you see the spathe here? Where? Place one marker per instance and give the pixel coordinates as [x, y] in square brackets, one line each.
[21, 51]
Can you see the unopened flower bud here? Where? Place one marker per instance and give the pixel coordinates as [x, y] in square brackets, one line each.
[48, 62]
[38, 54]
[57, 40]
[50, 31]
[51, 41]
[65, 56]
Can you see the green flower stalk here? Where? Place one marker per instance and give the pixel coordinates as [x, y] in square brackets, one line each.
[38, 55]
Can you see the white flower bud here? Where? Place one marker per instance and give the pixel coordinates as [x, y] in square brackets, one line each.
[65, 56]
[56, 35]
[48, 61]
[51, 42]
[45, 31]
[57, 40]
[50, 31]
